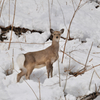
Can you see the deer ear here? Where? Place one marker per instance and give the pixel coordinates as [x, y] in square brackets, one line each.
[61, 31]
[51, 30]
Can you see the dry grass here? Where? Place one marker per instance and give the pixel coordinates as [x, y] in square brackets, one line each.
[9, 12]
[12, 25]
[49, 11]
[59, 73]
[91, 79]
[72, 58]
[2, 7]
[29, 87]
[88, 56]
[68, 33]
[39, 90]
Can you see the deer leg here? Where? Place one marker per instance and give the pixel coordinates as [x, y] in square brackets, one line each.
[29, 71]
[22, 73]
[52, 71]
[28, 74]
[48, 66]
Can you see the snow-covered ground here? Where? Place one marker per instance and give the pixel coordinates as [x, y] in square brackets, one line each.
[33, 14]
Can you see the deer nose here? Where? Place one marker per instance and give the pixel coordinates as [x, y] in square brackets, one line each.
[56, 36]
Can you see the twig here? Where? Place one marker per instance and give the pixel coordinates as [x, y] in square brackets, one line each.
[68, 33]
[49, 13]
[67, 75]
[97, 74]
[84, 4]
[90, 60]
[12, 24]
[88, 56]
[73, 5]
[2, 7]
[91, 96]
[29, 86]
[63, 15]
[72, 58]
[52, 2]
[13, 60]
[73, 76]
[91, 79]
[69, 61]
[9, 12]
[65, 82]
[39, 90]
[31, 89]
[26, 43]
[59, 73]
[36, 4]
[93, 67]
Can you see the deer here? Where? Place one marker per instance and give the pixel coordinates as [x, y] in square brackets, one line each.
[29, 61]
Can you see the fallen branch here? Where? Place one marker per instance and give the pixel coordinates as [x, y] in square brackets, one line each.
[91, 96]
[82, 71]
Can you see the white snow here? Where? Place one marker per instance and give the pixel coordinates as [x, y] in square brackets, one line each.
[33, 14]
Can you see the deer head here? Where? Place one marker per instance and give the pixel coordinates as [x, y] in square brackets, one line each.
[56, 34]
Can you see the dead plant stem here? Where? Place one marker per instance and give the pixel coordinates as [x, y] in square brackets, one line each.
[88, 56]
[68, 32]
[62, 14]
[39, 90]
[12, 25]
[72, 58]
[9, 12]
[29, 86]
[13, 59]
[91, 80]
[97, 74]
[32, 89]
[84, 4]
[2, 7]
[59, 73]
[73, 5]
[49, 13]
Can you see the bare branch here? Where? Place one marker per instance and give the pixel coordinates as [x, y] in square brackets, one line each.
[84, 4]
[68, 33]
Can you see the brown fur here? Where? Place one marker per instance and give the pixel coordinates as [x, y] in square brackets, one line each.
[42, 58]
